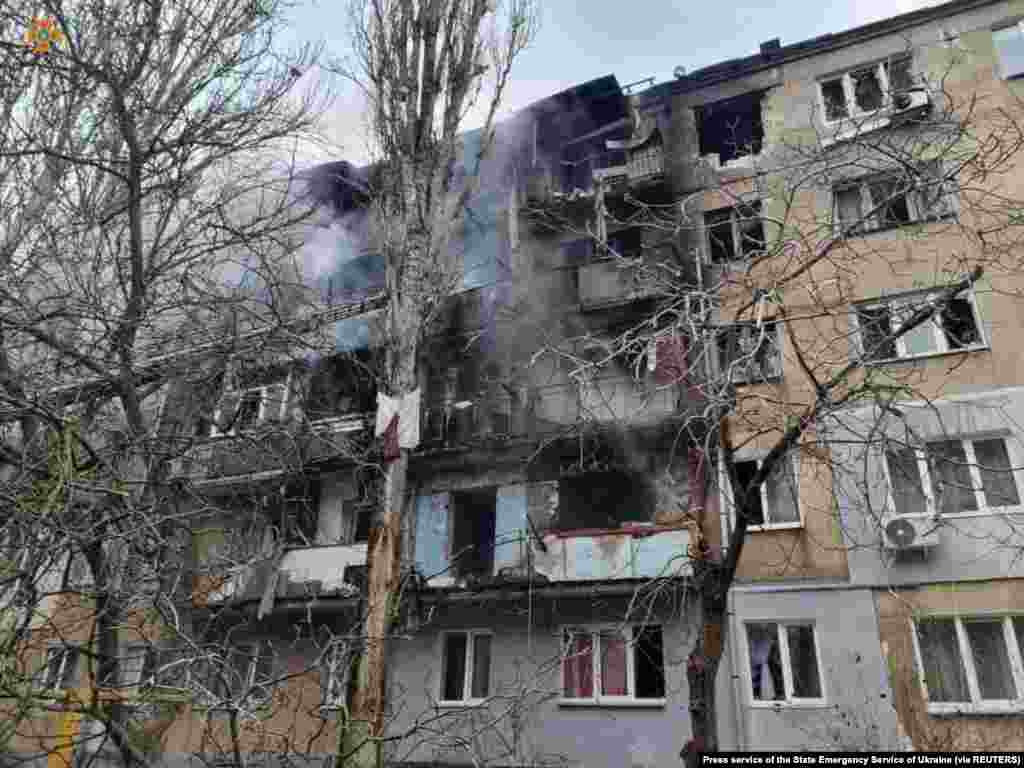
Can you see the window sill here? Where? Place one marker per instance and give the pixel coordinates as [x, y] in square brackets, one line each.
[790, 704]
[624, 704]
[990, 512]
[467, 704]
[856, 234]
[928, 356]
[775, 527]
[943, 709]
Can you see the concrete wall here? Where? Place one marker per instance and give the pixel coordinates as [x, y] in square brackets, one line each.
[524, 720]
[856, 713]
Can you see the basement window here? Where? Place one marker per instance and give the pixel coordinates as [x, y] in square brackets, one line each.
[603, 500]
[473, 529]
[971, 665]
[731, 128]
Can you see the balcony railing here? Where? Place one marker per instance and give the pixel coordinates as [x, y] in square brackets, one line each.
[610, 282]
[638, 552]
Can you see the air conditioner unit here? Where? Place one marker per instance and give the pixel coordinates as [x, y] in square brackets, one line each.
[905, 101]
[906, 533]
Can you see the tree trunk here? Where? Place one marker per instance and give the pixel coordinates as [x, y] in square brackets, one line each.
[360, 743]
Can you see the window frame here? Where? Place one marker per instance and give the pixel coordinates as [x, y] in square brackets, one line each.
[262, 416]
[741, 375]
[911, 194]
[468, 699]
[977, 705]
[786, 662]
[738, 259]
[918, 298]
[966, 442]
[853, 111]
[726, 499]
[66, 650]
[598, 699]
[336, 657]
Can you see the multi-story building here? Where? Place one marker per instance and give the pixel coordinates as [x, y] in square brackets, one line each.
[643, 271]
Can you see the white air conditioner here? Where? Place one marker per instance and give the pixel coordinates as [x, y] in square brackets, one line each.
[906, 533]
[905, 101]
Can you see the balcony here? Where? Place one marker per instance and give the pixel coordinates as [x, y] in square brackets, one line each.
[641, 551]
[612, 282]
[332, 570]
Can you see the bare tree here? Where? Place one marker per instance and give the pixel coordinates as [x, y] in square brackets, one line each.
[423, 67]
[150, 216]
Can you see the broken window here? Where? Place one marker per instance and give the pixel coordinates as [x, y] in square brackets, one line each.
[865, 90]
[465, 666]
[734, 234]
[296, 515]
[892, 200]
[971, 662]
[248, 407]
[1009, 42]
[952, 477]
[60, 671]
[473, 527]
[731, 128]
[954, 328]
[613, 665]
[626, 243]
[342, 384]
[783, 662]
[603, 500]
[776, 503]
[749, 354]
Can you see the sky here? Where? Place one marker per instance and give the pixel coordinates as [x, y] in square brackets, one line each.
[632, 39]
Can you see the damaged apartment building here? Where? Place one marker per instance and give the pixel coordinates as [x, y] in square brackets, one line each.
[563, 479]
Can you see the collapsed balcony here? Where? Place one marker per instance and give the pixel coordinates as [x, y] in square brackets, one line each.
[605, 529]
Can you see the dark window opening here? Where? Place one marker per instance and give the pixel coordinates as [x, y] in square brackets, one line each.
[835, 99]
[248, 412]
[603, 500]
[473, 532]
[735, 234]
[454, 672]
[745, 471]
[362, 514]
[731, 128]
[342, 384]
[627, 244]
[876, 330]
[867, 90]
[649, 667]
[958, 324]
[298, 515]
[891, 196]
[719, 227]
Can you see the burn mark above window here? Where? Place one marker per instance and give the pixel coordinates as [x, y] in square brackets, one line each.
[731, 128]
[603, 500]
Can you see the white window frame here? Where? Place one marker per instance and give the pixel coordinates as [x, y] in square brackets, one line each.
[738, 259]
[334, 687]
[740, 374]
[1013, 452]
[263, 416]
[976, 705]
[785, 660]
[467, 682]
[598, 698]
[911, 195]
[853, 111]
[918, 299]
[727, 500]
[65, 650]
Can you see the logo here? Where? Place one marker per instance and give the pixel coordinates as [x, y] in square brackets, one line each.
[43, 33]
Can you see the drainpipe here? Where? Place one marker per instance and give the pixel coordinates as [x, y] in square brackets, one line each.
[737, 683]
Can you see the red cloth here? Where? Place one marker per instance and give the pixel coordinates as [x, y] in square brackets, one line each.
[670, 363]
[579, 668]
[391, 449]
